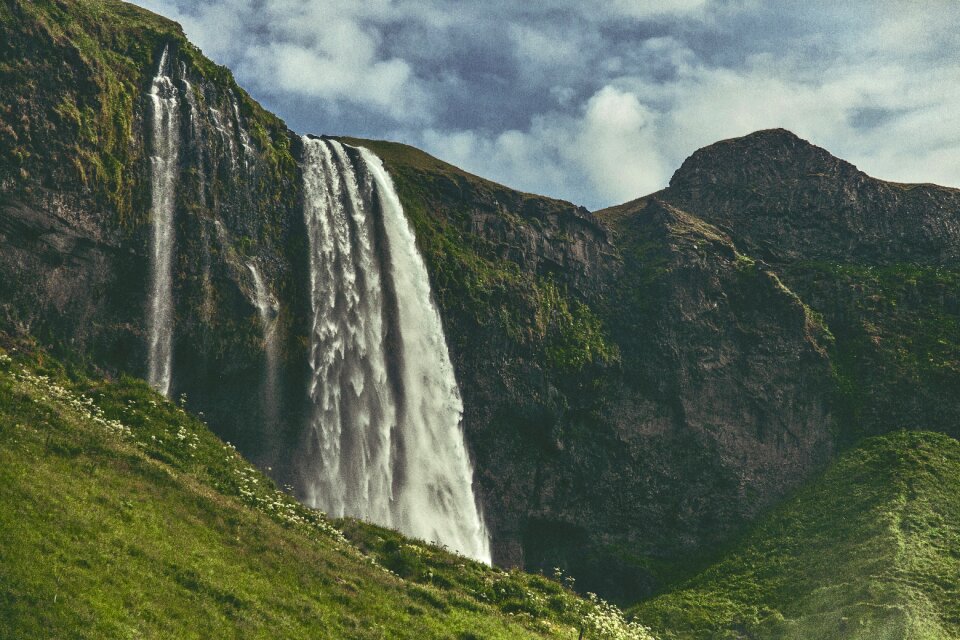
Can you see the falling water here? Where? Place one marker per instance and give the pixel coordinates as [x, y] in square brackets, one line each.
[386, 443]
[163, 162]
[267, 310]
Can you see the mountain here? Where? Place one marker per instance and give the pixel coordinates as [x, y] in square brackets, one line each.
[877, 259]
[867, 550]
[638, 384]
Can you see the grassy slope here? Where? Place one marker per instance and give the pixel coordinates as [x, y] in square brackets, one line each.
[870, 550]
[123, 516]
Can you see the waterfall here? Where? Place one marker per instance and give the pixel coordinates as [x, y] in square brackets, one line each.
[267, 310]
[163, 176]
[385, 442]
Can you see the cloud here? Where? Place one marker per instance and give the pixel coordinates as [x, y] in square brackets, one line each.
[327, 50]
[600, 103]
[382, 84]
[617, 143]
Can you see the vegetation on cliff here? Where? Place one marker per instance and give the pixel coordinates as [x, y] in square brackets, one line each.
[87, 65]
[876, 260]
[897, 347]
[478, 278]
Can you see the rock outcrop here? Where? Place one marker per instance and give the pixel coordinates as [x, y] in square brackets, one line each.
[785, 199]
[878, 260]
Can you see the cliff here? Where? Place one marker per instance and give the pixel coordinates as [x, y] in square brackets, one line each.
[877, 259]
[638, 384]
[75, 207]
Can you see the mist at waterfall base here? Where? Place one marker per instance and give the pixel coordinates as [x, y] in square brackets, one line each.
[384, 442]
[382, 439]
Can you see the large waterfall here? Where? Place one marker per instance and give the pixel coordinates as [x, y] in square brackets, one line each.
[385, 439]
[163, 164]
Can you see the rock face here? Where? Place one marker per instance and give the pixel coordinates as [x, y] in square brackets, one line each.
[877, 259]
[706, 397]
[785, 199]
[75, 209]
[636, 384]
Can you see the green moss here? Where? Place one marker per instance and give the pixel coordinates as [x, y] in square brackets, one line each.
[745, 263]
[82, 72]
[897, 339]
[575, 337]
[106, 46]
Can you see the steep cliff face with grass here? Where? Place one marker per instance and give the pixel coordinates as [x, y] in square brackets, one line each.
[625, 391]
[877, 259]
[75, 205]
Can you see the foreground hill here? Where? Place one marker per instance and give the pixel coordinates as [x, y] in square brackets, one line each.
[123, 516]
[867, 551]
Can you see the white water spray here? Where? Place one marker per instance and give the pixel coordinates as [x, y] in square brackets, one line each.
[163, 164]
[386, 443]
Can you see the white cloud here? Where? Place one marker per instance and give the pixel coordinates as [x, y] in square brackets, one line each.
[609, 148]
[617, 144]
[384, 84]
[323, 49]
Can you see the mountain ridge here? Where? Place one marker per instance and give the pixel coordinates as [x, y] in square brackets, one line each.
[788, 199]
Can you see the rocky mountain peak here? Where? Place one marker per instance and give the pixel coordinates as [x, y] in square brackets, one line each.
[762, 158]
[783, 198]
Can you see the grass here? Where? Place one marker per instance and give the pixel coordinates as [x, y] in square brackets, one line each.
[897, 350]
[869, 550]
[124, 516]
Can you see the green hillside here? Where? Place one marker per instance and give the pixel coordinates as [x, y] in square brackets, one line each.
[870, 550]
[124, 517]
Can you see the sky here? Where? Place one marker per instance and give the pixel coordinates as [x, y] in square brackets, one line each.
[599, 103]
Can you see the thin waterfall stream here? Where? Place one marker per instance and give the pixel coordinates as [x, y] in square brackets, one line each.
[163, 182]
[267, 310]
